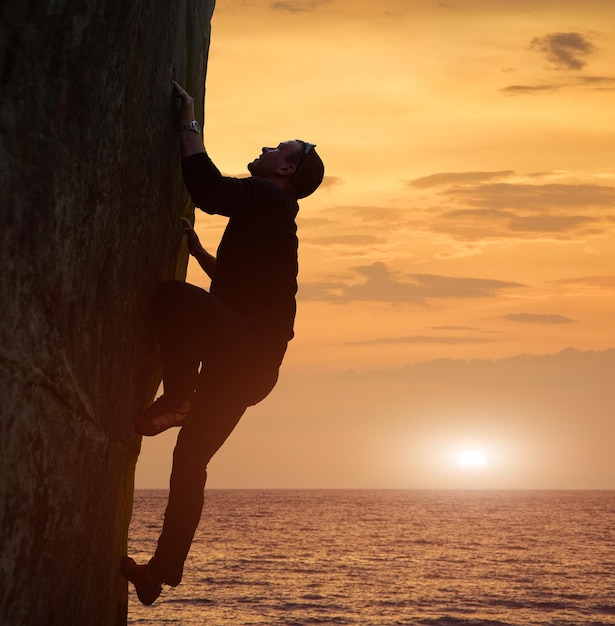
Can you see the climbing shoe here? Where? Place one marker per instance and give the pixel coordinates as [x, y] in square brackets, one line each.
[162, 415]
[146, 587]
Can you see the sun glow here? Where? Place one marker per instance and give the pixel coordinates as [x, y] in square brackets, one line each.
[472, 460]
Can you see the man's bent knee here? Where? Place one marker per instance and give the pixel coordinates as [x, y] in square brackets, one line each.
[166, 298]
[165, 292]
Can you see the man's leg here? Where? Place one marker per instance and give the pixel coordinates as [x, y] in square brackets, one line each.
[197, 443]
[224, 393]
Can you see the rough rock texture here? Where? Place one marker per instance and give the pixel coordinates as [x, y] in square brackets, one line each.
[90, 199]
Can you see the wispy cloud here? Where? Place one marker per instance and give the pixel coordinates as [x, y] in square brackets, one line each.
[512, 222]
[599, 282]
[446, 340]
[377, 282]
[457, 178]
[606, 83]
[538, 318]
[530, 89]
[347, 240]
[465, 328]
[480, 225]
[365, 219]
[565, 51]
[497, 210]
[371, 215]
[568, 53]
[483, 189]
[537, 197]
[298, 6]
[330, 182]
[591, 83]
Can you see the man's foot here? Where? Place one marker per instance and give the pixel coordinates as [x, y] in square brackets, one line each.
[161, 415]
[147, 588]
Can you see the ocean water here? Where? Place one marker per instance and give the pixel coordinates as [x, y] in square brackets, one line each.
[430, 558]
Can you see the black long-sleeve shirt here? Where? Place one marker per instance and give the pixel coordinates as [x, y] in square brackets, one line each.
[256, 270]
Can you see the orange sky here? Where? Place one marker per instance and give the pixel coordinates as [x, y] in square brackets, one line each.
[457, 270]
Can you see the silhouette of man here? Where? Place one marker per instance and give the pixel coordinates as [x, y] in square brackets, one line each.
[222, 349]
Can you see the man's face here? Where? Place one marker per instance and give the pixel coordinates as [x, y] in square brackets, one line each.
[273, 159]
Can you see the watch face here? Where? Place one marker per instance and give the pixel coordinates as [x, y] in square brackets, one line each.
[193, 125]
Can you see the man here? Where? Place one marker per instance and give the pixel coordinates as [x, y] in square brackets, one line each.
[222, 350]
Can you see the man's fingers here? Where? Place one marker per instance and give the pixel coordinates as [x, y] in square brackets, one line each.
[186, 225]
[180, 92]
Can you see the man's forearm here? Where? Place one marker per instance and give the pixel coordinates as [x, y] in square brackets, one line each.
[190, 143]
[207, 261]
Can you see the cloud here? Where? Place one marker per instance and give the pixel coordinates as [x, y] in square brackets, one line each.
[455, 328]
[537, 197]
[433, 339]
[378, 283]
[552, 224]
[473, 225]
[331, 181]
[599, 282]
[363, 218]
[457, 178]
[298, 6]
[592, 83]
[535, 318]
[496, 210]
[539, 174]
[513, 223]
[565, 51]
[606, 83]
[435, 286]
[524, 89]
[347, 240]
[474, 188]
[316, 222]
[369, 214]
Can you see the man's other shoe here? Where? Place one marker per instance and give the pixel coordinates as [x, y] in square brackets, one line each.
[147, 588]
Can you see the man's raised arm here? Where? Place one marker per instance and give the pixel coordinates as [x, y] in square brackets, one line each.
[190, 142]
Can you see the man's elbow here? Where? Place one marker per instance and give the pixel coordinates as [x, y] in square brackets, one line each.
[202, 204]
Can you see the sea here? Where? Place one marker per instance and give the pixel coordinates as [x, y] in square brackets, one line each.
[376, 557]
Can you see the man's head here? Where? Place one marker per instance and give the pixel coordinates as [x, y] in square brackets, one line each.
[294, 165]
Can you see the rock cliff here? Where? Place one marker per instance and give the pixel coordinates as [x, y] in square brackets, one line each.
[91, 195]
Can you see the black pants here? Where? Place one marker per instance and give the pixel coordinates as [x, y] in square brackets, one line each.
[197, 330]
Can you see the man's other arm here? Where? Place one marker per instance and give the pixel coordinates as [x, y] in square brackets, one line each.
[206, 261]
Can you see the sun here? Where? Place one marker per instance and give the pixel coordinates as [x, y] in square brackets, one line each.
[472, 460]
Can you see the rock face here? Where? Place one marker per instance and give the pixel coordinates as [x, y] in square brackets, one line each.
[91, 195]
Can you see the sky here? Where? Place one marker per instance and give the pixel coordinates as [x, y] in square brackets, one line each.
[457, 267]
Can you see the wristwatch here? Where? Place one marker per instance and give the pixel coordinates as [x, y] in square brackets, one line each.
[193, 126]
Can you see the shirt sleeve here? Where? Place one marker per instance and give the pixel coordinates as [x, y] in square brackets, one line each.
[217, 194]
